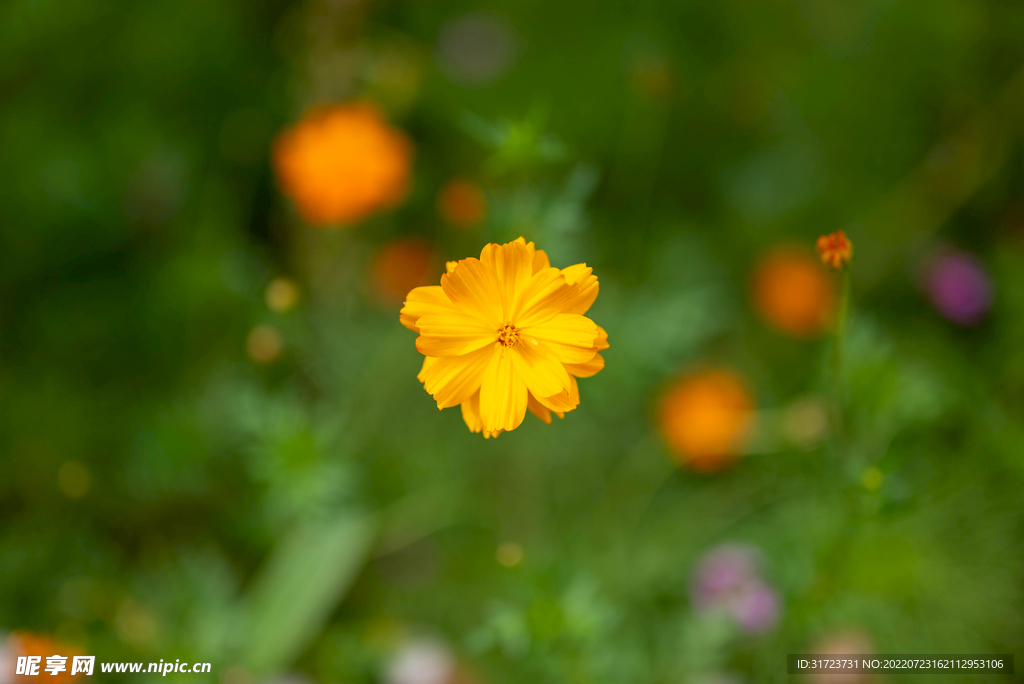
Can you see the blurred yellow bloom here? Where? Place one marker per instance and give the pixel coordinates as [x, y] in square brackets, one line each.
[705, 419]
[505, 333]
[342, 164]
[794, 293]
[462, 203]
[400, 266]
[281, 295]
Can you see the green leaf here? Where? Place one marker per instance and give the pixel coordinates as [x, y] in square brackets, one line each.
[305, 578]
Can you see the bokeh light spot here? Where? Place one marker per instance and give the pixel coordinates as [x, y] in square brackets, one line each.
[461, 203]
[74, 479]
[401, 266]
[509, 554]
[477, 47]
[872, 478]
[282, 295]
[805, 422]
[264, 344]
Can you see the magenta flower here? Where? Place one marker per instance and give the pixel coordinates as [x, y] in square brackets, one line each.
[958, 286]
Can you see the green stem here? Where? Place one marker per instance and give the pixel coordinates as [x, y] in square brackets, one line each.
[836, 557]
[837, 355]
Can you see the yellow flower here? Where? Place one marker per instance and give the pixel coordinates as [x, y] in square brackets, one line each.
[505, 333]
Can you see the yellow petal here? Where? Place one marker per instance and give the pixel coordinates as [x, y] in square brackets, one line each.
[540, 260]
[471, 413]
[570, 337]
[564, 402]
[513, 265]
[585, 288]
[544, 297]
[586, 370]
[452, 334]
[454, 379]
[502, 394]
[540, 370]
[421, 301]
[539, 256]
[473, 288]
[449, 266]
[538, 409]
[602, 339]
[427, 362]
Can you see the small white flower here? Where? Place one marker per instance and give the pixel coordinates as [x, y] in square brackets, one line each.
[421, 662]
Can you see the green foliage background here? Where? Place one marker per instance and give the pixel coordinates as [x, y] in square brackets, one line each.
[309, 514]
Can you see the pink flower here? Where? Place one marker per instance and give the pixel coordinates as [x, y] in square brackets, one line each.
[755, 607]
[728, 577]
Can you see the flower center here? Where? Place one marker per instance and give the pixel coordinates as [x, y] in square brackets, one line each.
[508, 335]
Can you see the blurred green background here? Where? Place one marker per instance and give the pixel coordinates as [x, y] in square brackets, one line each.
[308, 513]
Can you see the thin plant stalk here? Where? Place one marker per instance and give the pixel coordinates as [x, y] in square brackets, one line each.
[842, 315]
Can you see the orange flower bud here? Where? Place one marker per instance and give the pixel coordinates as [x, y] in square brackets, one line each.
[835, 249]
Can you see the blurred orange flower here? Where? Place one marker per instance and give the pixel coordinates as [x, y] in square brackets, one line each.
[462, 203]
[705, 419]
[794, 293]
[835, 249]
[28, 644]
[401, 266]
[342, 164]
